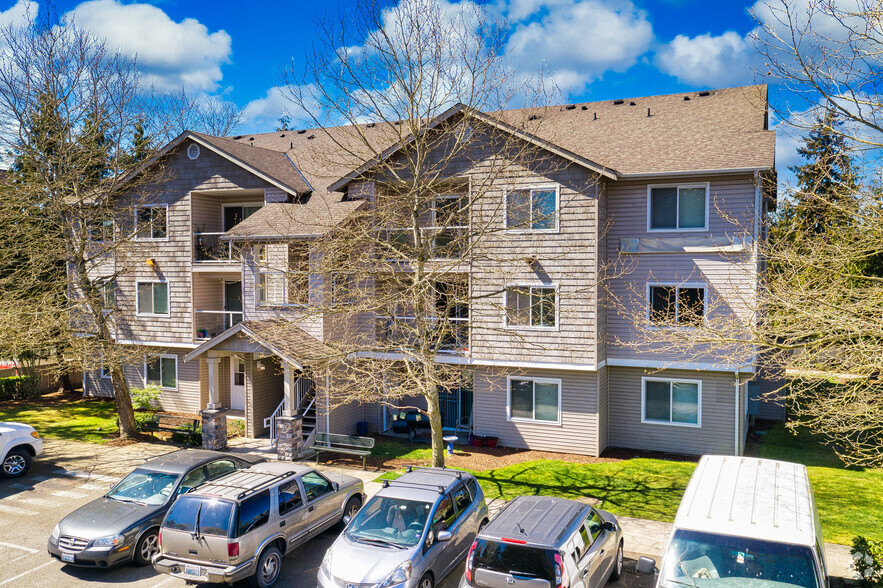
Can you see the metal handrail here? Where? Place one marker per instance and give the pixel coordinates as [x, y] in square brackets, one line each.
[270, 422]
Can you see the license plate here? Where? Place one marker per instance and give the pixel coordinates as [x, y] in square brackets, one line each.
[192, 570]
[68, 557]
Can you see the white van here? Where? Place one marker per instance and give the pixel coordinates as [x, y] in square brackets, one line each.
[744, 522]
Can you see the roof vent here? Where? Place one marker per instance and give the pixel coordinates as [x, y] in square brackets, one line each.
[238, 137]
[585, 108]
[595, 117]
[282, 135]
[705, 93]
[686, 97]
[619, 101]
[631, 103]
[533, 117]
[251, 138]
[193, 151]
[291, 144]
[311, 137]
[570, 107]
[301, 132]
[370, 125]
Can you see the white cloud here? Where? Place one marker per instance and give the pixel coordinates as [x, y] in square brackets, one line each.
[263, 114]
[20, 14]
[577, 42]
[171, 55]
[707, 60]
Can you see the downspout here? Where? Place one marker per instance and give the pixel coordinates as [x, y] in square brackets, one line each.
[327, 401]
[736, 413]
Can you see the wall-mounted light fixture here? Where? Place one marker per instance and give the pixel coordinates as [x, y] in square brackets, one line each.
[151, 262]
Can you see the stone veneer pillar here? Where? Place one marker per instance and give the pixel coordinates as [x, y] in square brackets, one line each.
[289, 437]
[214, 429]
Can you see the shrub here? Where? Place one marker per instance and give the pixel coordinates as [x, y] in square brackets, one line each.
[867, 561]
[144, 398]
[235, 428]
[19, 387]
[194, 440]
[141, 418]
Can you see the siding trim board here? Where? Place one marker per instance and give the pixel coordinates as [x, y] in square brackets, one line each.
[676, 365]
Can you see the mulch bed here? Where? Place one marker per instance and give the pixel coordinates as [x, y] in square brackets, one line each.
[59, 397]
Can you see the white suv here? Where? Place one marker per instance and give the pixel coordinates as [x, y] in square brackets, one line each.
[19, 444]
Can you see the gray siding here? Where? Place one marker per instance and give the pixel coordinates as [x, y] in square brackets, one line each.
[188, 396]
[264, 389]
[95, 385]
[716, 435]
[578, 431]
[603, 408]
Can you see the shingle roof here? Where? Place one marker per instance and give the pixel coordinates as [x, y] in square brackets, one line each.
[286, 220]
[717, 130]
[285, 336]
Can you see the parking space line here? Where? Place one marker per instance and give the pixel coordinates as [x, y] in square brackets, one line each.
[30, 571]
[34, 501]
[20, 547]
[87, 475]
[91, 487]
[16, 511]
[66, 494]
[164, 582]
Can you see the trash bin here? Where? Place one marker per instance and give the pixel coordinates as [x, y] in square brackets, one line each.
[362, 428]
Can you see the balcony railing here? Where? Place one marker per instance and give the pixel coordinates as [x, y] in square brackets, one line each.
[402, 331]
[210, 323]
[209, 247]
[444, 242]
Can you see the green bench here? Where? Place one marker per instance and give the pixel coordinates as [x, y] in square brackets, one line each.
[172, 424]
[348, 444]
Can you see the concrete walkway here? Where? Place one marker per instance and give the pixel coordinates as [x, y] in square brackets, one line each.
[642, 537]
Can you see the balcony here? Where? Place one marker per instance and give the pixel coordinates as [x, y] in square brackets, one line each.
[444, 242]
[210, 323]
[400, 330]
[208, 248]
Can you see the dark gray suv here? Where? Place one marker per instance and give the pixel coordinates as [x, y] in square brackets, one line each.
[122, 525]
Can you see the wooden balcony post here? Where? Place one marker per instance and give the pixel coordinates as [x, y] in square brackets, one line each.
[288, 409]
[213, 400]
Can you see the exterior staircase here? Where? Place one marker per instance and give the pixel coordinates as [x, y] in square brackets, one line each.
[305, 403]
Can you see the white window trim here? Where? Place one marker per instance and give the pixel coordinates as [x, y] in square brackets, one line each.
[531, 327]
[168, 295]
[510, 418]
[449, 196]
[285, 288]
[669, 423]
[161, 357]
[154, 239]
[517, 231]
[103, 372]
[705, 229]
[649, 303]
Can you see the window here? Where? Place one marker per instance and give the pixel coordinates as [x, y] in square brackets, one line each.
[290, 498]
[108, 294]
[153, 298]
[444, 514]
[451, 220]
[162, 371]
[233, 215]
[192, 480]
[677, 305]
[253, 512]
[219, 468]
[271, 288]
[462, 498]
[675, 402]
[315, 486]
[536, 399]
[151, 222]
[101, 229]
[104, 371]
[280, 288]
[532, 209]
[678, 207]
[531, 306]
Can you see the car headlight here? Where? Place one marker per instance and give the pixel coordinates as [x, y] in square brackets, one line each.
[326, 563]
[398, 575]
[56, 531]
[112, 541]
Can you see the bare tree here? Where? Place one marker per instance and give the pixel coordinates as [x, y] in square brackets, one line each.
[408, 104]
[74, 116]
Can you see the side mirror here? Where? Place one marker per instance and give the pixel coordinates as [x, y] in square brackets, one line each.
[608, 526]
[444, 536]
[646, 565]
[347, 519]
[336, 486]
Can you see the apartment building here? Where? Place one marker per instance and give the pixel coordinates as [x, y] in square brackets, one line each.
[642, 219]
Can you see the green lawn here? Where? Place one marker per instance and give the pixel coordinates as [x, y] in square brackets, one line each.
[848, 499]
[87, 420]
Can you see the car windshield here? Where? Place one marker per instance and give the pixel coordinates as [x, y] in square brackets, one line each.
[386, 521]
[705, 559]
[514, 559]
[205, 515]
[145, 487]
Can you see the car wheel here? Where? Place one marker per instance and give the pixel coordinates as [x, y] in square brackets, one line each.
[426, 581]
[268, 569]
[147, 547]
[352, 507]
[17, 463]
[616, 574]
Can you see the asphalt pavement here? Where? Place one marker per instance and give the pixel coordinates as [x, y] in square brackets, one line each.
[31, 506]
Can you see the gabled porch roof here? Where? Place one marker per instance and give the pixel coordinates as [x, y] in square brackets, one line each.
[277, 336]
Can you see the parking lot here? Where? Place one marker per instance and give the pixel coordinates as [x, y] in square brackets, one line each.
[31, 506]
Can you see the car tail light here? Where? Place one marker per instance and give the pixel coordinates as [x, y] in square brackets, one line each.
[159, 539]
[561, 580]
[233, 549]
[518, 541]
[469, 559]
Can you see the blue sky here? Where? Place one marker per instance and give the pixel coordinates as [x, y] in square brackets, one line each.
[598, 49]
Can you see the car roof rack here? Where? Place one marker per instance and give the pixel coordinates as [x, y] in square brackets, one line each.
[274, 477]
[388, 483]
[430, 469]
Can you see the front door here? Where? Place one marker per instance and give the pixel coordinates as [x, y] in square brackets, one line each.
[237, 383]
[456, 407]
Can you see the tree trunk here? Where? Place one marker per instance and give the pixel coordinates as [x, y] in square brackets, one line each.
[124, 403]
[435, 422]
[66, 383]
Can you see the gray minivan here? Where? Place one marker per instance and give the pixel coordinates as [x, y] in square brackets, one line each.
[544, 542]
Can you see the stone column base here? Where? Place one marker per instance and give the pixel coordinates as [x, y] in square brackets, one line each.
[289, 437]
[214, 429]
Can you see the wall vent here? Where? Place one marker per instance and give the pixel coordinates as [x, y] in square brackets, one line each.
[193, 151]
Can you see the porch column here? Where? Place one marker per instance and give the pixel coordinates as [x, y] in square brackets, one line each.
[213, 396]
[288, 408]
